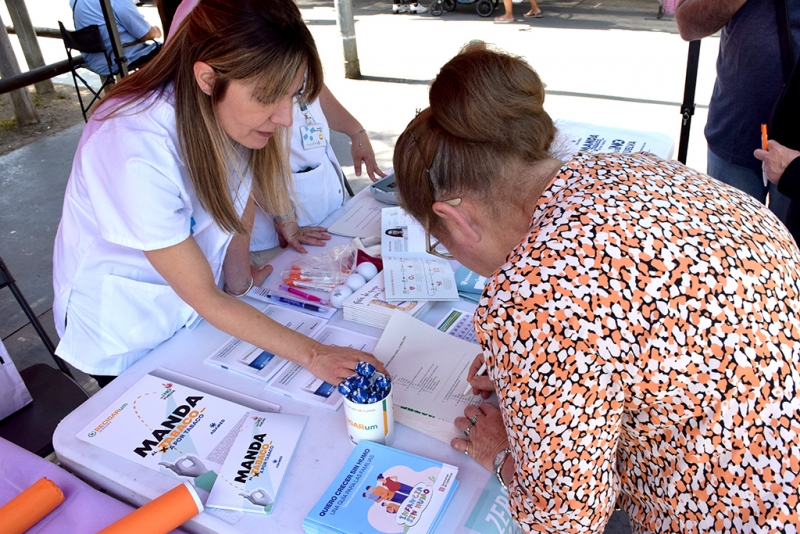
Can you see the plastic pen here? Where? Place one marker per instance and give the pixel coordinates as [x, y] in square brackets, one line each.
[764, 145]
[298, 303]
[303, 294]
[480, 372]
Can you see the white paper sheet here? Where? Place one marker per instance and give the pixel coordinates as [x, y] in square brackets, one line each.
[428, 368]
[361, 220]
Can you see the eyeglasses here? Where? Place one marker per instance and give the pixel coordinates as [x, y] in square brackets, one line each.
[431, 247]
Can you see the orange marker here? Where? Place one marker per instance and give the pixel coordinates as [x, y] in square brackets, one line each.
[764, 147]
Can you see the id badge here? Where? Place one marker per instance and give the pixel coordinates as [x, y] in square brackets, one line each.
[312, 136]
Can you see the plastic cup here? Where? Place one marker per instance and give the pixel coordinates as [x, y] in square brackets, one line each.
[373, 422]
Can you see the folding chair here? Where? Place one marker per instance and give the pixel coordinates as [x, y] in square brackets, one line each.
[86, 40]
[55, 392]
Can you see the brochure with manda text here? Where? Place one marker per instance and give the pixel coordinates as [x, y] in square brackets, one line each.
[381, 490]
[174, 429]
[257, 463]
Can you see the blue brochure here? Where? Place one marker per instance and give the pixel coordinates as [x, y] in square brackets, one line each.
[381, 490]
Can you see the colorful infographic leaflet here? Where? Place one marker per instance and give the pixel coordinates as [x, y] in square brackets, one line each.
[381, 490]
[236, 355]
[257, 463]
[299, 383]
[410, 273]
[171, 428]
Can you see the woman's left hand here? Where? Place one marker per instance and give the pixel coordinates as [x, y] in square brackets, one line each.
[775, 160]
[361, 151]
[486, 437]
[297, 236]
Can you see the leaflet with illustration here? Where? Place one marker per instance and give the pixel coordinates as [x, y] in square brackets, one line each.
[381, 490]
[257, 462]
[410, 273]
[236, 355]
[174, 429]
[299, 383]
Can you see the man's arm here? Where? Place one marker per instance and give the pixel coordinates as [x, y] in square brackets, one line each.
[700, 18]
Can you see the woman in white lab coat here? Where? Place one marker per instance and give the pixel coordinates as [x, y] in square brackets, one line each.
[162, 194]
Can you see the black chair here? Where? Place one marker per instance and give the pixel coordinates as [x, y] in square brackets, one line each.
[54, 391]
[86, 40]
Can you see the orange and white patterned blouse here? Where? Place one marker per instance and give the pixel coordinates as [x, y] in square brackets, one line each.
[644, 339]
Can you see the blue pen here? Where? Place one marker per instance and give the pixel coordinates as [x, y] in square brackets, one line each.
[299, 304]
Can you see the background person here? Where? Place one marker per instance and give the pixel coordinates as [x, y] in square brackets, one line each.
[134, 31]
[749, 81]
[641, 325]
[163, 187]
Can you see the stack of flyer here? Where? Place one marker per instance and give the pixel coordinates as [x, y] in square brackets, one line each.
[470, 285]
[383, 490]
[208, 441]
[369, 306]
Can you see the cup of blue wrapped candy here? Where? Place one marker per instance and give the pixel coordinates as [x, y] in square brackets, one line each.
[368, 407]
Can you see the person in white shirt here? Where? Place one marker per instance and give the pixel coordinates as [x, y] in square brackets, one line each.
[318, 179]
[162, 194]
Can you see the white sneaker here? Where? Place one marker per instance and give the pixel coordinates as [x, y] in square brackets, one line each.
[416, 8]
[399, 8]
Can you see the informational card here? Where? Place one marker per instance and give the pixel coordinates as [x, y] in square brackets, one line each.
[299, 383]
[410, 273]
[458, 323]
[236, 355]
[363, 219]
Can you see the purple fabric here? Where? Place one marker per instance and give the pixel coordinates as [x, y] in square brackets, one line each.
[84, 508]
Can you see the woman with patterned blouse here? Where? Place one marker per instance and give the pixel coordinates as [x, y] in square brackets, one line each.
[641, 326]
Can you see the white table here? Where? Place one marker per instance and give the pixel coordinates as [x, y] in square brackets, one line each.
[322, 451]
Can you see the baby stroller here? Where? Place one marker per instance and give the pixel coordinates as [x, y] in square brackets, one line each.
[484, 7]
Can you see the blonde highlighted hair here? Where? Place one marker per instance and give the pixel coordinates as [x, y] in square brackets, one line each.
[255, 40]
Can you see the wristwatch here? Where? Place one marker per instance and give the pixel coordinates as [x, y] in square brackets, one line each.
[499, 460]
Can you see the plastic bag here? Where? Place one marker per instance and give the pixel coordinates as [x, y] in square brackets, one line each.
[14, 394]
[324, 271]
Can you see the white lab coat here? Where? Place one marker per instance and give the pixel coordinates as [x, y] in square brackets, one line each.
[128, 192]
[318, 192]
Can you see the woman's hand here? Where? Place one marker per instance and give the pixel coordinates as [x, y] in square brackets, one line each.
[486, 437]
[481, 384]
[297, 236]
[361, 151]
[333, 364]
[776, 159]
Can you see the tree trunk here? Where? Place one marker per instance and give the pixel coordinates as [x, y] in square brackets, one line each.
[27, 39]
[20, 99]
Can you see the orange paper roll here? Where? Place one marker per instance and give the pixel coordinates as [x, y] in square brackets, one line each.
[160, 515]
[30, 506]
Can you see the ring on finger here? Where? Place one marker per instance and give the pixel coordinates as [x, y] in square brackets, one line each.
[473, 419]
[467, 431]
[466, 450]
